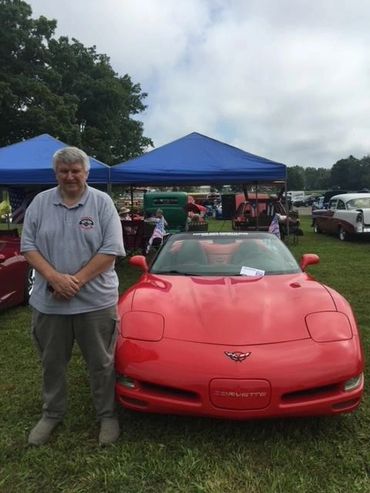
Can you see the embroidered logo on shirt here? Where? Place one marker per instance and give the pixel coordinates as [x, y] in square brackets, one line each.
[86, 223]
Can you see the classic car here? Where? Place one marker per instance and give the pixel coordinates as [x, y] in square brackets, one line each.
[347, 215]
[173, 205]
[229, 325]
[16, 276]
[322, 202]
[254, 215]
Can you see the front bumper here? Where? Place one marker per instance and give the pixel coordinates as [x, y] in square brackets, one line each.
[299, 378]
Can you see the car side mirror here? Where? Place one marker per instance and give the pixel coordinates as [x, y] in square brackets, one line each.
[139, 261]
[309, 259]
[2, 257]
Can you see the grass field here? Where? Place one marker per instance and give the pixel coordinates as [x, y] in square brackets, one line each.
[179, 454]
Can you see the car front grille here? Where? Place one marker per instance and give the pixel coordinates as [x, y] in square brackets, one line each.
[312, 393]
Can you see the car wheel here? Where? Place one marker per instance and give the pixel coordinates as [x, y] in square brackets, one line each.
[342, 234]
[29, 282]
[316, 228]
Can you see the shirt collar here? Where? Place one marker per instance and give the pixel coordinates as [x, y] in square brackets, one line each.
[57, 197]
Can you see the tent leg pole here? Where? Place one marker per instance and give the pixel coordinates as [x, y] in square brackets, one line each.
[257, 222]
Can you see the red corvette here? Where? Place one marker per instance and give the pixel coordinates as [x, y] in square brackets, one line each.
[229, 325]
[16, 276]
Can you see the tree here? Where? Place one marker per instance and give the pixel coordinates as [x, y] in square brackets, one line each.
[346, 174]
[316, 178]
[27, 105]
[295, 178]
[365, 172]
[105, 101]
[59, 87]
[323, 179]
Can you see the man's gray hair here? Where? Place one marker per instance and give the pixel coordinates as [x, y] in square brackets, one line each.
[71, 155]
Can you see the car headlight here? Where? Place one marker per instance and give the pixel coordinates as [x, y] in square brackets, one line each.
[328, 326]
[144, 326]
[353, 382]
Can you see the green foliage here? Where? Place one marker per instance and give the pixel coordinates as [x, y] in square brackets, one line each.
[24, 96]
[60, 87]
[316, 178]
[5, 208]
[295, 178]
[351, 173]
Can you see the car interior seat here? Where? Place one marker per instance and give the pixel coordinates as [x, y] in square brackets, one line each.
[248, 254]
[191, 252]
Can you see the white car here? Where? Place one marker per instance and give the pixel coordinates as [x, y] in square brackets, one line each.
[347, 215]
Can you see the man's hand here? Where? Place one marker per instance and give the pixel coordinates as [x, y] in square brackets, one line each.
[64, 286]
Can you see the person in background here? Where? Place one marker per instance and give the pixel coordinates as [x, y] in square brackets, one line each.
[124, 214]
[159, 231]
[72, 235]
[194, 218]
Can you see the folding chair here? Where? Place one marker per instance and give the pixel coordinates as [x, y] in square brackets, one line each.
[132, 235]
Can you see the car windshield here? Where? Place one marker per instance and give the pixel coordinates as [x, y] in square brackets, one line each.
[227, 254]
[359, 203]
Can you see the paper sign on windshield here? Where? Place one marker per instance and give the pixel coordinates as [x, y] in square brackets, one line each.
[252, 272]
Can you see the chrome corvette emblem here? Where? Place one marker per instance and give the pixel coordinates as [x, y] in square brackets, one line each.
[236, 356]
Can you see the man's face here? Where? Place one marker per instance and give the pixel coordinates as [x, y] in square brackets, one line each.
[71, 177]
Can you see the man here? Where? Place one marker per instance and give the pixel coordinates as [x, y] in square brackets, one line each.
[71, 236]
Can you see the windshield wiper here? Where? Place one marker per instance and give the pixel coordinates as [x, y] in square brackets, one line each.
[173, 271]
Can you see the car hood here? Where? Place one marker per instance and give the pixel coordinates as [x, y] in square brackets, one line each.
[233, 310]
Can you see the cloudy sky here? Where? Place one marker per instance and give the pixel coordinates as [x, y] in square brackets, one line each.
[285, 79]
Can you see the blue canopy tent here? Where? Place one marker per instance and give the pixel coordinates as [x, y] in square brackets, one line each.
[197, 160]
[30, 163]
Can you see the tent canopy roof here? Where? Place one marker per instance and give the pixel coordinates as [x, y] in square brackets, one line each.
[196, 160]
[30, 163]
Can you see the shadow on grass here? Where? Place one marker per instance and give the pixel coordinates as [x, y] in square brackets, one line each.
[139, 426]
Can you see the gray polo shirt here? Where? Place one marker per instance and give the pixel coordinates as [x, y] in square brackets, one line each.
[68, 237]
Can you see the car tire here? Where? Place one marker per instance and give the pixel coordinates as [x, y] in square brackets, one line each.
[342, 234]
[28, 286]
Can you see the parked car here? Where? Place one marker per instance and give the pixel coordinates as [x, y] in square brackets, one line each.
[331, 193]
[16, 276]
[299, 202]
[309, 200]
[318, 203]
[297, 196]
[228, 325]
[252, 214]
[347, 215]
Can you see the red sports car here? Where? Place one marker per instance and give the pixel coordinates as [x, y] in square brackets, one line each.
[229, 325]
[16, 276]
